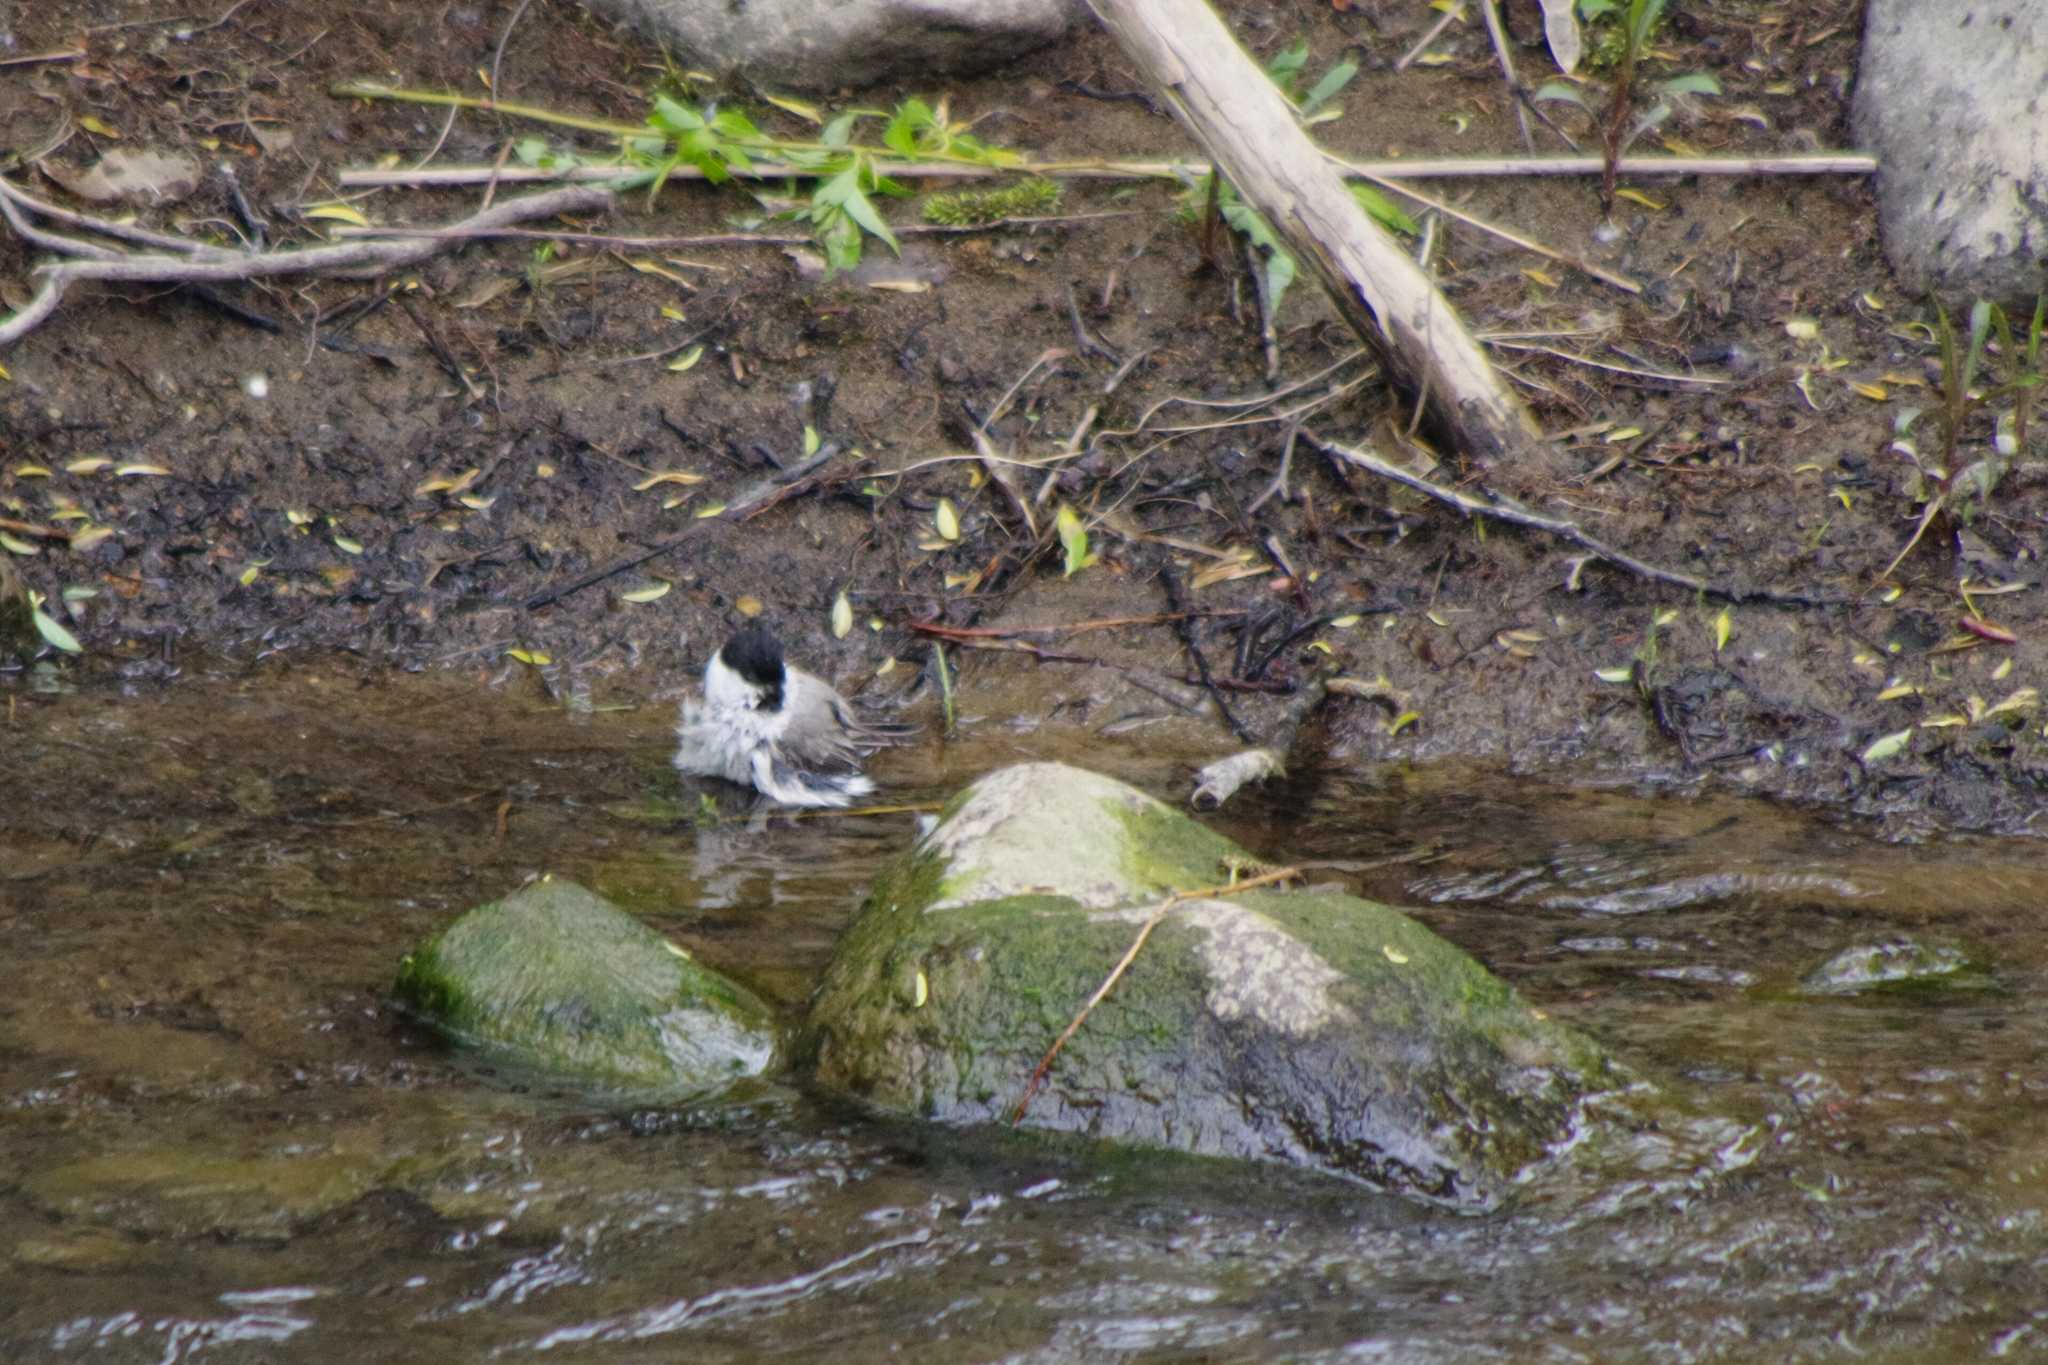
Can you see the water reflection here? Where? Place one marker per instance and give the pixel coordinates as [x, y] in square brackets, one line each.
[203, 894]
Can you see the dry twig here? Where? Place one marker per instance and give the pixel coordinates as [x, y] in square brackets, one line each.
[347, 257]
[1116, 973]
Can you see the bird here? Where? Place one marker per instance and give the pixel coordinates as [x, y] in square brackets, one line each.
[765, 723]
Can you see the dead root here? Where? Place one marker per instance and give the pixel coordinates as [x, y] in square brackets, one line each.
[197, 263]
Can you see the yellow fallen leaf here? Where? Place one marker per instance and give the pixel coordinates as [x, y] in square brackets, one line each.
[946, 519]
[653, 592]
[31, 471]
[339, 213]
[1887, 746]
[687, 360]
[91, 464]
[135, 471]
[668, 476]
[530, 656]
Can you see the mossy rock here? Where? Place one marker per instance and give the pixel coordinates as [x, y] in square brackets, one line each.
[1305, 1026]
[556, 982]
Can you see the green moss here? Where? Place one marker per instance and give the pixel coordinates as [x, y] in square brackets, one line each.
[965, 208]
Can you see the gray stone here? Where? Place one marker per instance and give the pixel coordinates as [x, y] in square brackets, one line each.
[1302, 1026]
[1892, 962]
[556, 982]
[821, 45]
[1953, 99]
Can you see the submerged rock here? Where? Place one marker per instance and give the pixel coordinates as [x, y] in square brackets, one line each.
[1304, 1026]
[1893, 962]
[557, 981]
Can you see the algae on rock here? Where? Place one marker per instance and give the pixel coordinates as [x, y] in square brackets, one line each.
[1305, 1026]
[557, 981]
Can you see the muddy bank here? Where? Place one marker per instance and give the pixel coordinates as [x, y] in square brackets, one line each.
[399, 468]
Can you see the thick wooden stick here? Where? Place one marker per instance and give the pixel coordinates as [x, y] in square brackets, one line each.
[1249, 128]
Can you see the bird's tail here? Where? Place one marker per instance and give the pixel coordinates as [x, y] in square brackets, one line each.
[778, 781]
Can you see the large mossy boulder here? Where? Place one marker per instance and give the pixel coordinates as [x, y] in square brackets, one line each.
[558, 983]
[1304, 1026]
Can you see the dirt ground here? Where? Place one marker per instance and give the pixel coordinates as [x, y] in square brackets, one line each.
[397, 467]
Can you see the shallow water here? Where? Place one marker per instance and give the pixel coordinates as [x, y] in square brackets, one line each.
[219, 1143]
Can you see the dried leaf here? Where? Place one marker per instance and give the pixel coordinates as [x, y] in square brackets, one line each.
[339, 213]
[668, 476]
[653, 592]
[842, 616]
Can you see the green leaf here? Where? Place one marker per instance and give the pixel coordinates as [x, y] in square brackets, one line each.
[731, 123]
[1073, 539]
[1383, 210]
[55, 634]
[862, 210]
[1692, 83]
[1285, 66]
[839, 131]
[1560, 90]
[1324, 90]
[840, 240]
[672, 116]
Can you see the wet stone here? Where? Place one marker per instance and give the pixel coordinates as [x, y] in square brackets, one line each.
[557, 983]
[1303, 1026]
[1892, 962]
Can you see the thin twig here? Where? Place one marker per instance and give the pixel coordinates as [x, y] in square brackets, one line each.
[504, 36]
[1400, 168]
[1069, 628]
[1499, 508]
[1159, 912]
[1499, 36]
[1185, 628]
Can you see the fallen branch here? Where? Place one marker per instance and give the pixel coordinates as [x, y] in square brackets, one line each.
[1255, 138]
[1499, 508]
[1158, 618]
[350, 256]
[1116, 973]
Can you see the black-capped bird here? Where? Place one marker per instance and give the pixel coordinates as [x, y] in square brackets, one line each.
[765, 723]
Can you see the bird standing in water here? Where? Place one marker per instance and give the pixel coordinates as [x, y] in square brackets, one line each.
[766, 723]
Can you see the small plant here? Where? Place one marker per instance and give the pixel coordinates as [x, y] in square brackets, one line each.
[845, 175]
[1943, 489]
[1622, 47]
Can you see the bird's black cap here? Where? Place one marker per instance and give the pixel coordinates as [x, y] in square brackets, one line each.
[756, 655]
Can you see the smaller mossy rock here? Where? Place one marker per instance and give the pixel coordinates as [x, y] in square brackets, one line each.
[557, 982]
[1304, 1026]
[1891, 964]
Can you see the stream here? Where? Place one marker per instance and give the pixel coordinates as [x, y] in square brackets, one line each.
[218, 1141]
